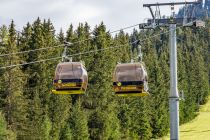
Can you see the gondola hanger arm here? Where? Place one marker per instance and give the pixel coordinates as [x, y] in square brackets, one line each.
[64, 55]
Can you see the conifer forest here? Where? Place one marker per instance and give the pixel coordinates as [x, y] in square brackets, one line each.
[29, 111]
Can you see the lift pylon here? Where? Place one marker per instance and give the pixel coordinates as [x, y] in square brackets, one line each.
[172, 23]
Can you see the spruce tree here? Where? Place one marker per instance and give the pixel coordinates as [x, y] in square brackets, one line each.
[5, 134]
[78, 123]
[100, 92]
[14, 105]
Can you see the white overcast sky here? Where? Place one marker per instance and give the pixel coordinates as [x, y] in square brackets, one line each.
[115, 14]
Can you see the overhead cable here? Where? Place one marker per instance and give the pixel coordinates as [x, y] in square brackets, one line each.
[111, 32]
[83, 53]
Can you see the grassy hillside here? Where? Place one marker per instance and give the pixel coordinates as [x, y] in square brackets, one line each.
[199, 128]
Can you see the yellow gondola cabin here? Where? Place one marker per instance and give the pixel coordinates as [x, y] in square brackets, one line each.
[130, 79]
[70, 78]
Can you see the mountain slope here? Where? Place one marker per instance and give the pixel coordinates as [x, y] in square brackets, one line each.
[198, 128]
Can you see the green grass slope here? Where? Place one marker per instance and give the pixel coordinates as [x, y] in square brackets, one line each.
[197, 129]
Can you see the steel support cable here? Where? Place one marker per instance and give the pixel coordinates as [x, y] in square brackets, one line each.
[128, 27]
[1, 55]
[9, 66]
[87, 52]
[55, 58]
[111, 32]
[190, 35]
[195, 47]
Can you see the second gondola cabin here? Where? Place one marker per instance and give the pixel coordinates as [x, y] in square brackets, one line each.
[70, 78]
[130, 79]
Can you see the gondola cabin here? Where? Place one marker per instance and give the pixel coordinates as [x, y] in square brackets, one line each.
[70, 78]
[130, 79]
